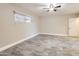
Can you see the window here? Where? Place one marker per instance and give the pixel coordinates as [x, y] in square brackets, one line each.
[22, 18]
[28, 19]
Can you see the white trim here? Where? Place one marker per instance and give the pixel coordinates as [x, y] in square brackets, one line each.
[54, 34]
[15, 43]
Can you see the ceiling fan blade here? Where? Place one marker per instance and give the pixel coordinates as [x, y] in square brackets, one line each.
[55, 10]
[45, 8]
[58, 6]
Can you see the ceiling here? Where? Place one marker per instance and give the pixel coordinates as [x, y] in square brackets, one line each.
[37, 8]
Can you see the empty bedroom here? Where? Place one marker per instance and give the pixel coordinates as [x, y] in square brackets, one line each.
[39, 29]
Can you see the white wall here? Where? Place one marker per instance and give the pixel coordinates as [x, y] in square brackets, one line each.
[11, 31]
[54, 25]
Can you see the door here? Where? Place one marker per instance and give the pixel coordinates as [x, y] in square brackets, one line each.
[74, 27]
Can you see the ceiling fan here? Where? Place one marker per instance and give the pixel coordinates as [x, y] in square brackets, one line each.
[52, 7]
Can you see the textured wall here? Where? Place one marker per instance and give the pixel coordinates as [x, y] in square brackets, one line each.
[11, 31]
[54, 25]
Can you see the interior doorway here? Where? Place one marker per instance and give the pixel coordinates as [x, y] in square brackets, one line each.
[74, 27]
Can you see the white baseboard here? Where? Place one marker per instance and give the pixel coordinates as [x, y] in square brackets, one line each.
[15, 43]
[54, 34]
[20, 41]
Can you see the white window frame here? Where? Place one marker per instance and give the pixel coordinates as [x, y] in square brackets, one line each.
[22, 18]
